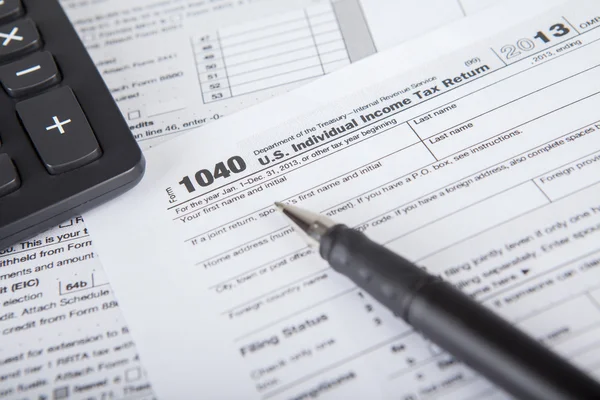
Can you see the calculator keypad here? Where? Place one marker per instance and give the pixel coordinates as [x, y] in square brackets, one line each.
[9, 178]
[64, 145]
[54, 120]
[18, 38]
[29, 75]
[59, 130]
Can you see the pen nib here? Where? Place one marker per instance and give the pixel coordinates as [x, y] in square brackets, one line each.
[310, 225]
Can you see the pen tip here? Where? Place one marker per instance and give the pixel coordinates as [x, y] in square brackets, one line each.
[279, 205]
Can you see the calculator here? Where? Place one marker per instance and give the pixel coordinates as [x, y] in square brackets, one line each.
[64, 145]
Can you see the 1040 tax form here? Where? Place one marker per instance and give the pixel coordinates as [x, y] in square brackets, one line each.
[482, 167]
[63, 333]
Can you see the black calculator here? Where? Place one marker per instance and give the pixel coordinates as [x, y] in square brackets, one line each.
[64, 145]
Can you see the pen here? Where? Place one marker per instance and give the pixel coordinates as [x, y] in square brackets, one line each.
[466, 329]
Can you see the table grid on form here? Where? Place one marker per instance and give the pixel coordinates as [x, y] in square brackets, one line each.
[277, 51]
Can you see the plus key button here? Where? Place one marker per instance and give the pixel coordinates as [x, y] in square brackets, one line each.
[59, 130]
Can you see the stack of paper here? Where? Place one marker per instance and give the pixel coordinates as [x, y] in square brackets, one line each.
[472, 150]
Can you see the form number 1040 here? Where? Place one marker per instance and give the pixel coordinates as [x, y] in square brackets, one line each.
[206, 177]
[511, 51]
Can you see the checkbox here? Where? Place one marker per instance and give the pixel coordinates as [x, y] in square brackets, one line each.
[134, 114]
[61, 393]
[133, 374]
[66, 224]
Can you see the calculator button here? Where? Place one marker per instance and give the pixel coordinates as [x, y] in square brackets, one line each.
[17, 38]
[9, 178]
[10, 9]
[33, 73]
[59, 130]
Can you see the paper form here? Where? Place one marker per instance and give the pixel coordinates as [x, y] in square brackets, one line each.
[481, 167]
[176, 65]
[473, 6]
[63, 334]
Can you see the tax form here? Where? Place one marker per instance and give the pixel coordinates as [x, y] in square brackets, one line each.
[482, 167]
[178, 64]
[63, 332]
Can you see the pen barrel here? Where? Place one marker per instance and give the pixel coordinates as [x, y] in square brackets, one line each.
[466, 329]
[496, 349]
[385, 275]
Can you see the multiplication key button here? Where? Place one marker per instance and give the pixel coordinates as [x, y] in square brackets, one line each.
[17, 38]
[59, 130]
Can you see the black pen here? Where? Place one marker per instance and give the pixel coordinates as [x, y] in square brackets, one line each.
[473, 334]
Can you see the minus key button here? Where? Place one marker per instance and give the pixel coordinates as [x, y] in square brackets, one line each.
[30, 75]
